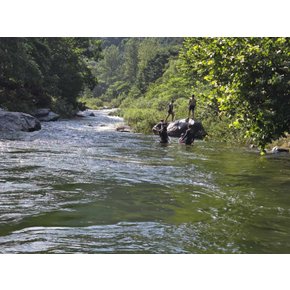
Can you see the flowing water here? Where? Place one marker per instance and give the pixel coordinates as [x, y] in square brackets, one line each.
[79, 186]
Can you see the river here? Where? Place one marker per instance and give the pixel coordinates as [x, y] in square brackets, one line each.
[79, 186]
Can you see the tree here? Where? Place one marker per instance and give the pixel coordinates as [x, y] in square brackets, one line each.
[130, 65]
[108, 69]
[248, 80]
[131, 60]
[22, 71]
[36, 70]
[153, 70]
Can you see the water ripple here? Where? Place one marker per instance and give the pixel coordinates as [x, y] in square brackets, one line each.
[79, 186]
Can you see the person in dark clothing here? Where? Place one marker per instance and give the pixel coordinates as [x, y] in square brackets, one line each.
[170, 111]
[163, 133]
[188, 137]
[191, 106]
[157, 127]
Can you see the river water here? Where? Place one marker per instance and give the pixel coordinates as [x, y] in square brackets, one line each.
[79, 186]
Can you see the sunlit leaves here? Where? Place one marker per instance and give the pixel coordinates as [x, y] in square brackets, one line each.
[249, 81]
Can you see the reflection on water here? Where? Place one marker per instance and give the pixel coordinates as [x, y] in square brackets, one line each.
[80, 186]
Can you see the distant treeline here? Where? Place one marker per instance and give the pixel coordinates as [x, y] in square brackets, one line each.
[129, 65]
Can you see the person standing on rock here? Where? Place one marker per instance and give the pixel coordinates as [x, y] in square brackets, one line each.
[170, 111]
[191, 106]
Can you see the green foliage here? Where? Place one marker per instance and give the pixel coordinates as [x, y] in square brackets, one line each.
[152, 71]
[109, 67]
[152, 106]
[130, 65]
[131, 60]
[142, 120]
[63, 107]
[92, 103]
[70, 67]
[40, 72]
[21, 78]
[248, 81]
[241, 86]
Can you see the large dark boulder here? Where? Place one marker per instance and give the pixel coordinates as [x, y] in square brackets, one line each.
[178, 127]
[17, 121]
[45, 115]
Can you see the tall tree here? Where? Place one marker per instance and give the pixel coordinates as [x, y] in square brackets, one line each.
[22, 73]
[131, 60]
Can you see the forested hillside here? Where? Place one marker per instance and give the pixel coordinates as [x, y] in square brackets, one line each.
[129, 65]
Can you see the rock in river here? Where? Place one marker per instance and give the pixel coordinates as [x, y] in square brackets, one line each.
[124, 128]
[45, 115]
[17, 121]
[176, 128]
[277, 149]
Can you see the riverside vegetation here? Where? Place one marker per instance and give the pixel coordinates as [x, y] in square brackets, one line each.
[241, 84]
[45, 72]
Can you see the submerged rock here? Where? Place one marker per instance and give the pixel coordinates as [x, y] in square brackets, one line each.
[17, 121]
[80, 114]
[178, 127]
[124, 128]
[46, 115]
[85, 114]
[277, 149]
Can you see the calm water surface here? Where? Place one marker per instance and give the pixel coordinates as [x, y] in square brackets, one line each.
[79, 186]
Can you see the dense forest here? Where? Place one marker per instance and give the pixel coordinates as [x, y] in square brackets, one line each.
[46, 72]
[241, 84]
[129, 65]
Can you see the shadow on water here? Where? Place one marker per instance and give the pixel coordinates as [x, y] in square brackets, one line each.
[80, 186]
